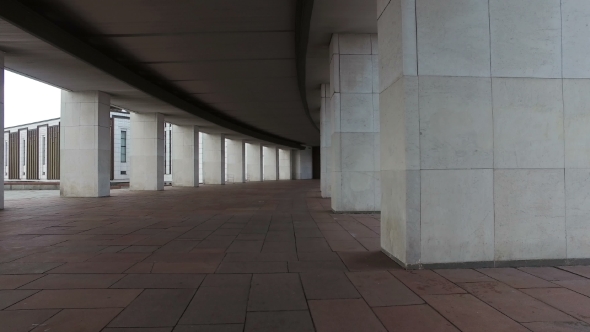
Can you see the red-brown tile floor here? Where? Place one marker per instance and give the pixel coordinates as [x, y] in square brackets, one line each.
[249, 257]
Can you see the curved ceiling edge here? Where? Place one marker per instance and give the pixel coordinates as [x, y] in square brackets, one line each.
[304, 12]
[30, 21]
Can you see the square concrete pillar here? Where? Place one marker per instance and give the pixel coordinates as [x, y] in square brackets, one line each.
[85, 144]
[213, 158]
[147, 151]
[236, 158]
[302, 164]
[284, 164]
[254, 162]
[354, 98]
[185, 156]
[326, 131]
[484, 140]
[2, 124]
[270, 163]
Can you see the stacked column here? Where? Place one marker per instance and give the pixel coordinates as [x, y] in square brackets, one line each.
[355, 185]
[236, 170]
[85, 144]
[2, 122]
[213, 158]
[185, 156]
[485, 153]
[270, 163]
[326, 131]
[302, 164]
[284, 164]
[147, 151]
[254, 161]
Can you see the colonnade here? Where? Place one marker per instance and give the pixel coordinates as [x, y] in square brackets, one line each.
[85, 152]
[465, 125]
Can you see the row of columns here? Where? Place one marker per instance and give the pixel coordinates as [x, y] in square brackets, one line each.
[2, 121]
[467, 131]
[350, 126]
[86, 152]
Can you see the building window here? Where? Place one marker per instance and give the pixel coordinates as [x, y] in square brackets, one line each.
[123, 146]
[43, 150]
[166, 139]
[5, 153]
[23, 153]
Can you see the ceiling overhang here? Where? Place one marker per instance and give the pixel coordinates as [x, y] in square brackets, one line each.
[145, 92]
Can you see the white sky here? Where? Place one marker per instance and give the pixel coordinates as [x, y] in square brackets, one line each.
[27, 100]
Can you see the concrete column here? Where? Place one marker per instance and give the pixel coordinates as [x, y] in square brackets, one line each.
[484, 117]
[302, 164]
[236, 166]
[270, 163]
[85, 144]
[147, 151]
[213, 158]
[254, 161]
[2, 125]
[284, 164]
[185, 156]
[326, 130]
[355, 139]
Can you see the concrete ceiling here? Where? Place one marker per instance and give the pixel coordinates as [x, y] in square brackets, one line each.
[329, 17]
[234, 57]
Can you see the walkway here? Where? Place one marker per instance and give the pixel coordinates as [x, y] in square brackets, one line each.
[249, 257]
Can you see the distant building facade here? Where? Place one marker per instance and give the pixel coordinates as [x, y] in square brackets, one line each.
[31, 151]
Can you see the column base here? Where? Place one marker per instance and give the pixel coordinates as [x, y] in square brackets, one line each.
[490, 264]
[355, 212]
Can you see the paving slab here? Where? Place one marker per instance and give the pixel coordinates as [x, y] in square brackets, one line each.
[284, 321]
[155, 308]
[73, 281]
[10, 297]
[324, 285]
[472, 315]
[551, 273]
[415, 318]
[515, 304]
[367, 261]
[463, 275]
[24, 320]
[78, 298]
[565, 300]
[516, 278]
[17, 280]
[426, 282]
[381, 289]
[276, 292]
[79, 320]
[217, 305]
[347, 315]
